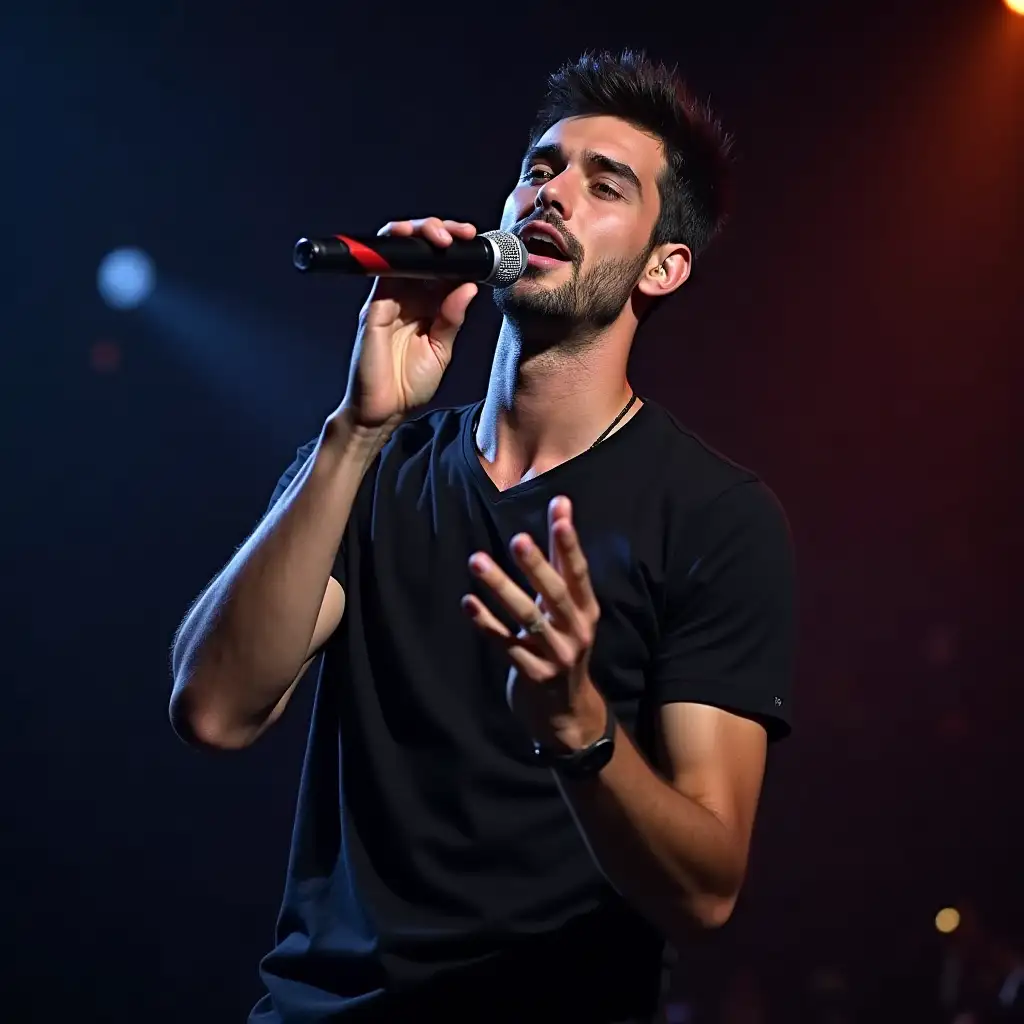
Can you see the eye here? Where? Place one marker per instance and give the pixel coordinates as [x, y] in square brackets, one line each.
[536, 173]
[606, 190]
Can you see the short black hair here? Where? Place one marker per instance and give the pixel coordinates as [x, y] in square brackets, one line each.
[695, 186]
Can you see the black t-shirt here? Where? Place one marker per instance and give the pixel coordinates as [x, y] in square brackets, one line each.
[435, 867]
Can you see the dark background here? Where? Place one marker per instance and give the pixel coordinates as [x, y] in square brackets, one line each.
[855, 336]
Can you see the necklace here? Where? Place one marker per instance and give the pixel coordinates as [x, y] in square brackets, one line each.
[607, 430]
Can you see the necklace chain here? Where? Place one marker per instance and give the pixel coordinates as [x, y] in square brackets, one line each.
[607, 430]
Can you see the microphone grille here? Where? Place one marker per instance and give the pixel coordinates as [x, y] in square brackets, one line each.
[512, 258]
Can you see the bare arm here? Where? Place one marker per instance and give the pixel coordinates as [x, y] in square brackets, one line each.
[673, 842]
[250, 636]
[676, 847]
[327, 621]
[252, 633]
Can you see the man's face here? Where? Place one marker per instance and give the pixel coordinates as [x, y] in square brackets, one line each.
[593, 180]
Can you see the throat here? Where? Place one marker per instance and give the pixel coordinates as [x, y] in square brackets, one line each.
[509, 464]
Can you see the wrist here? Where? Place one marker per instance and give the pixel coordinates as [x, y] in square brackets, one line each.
[584, 755]
[345, 436]
[580, 728]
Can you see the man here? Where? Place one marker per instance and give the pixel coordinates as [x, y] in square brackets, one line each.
[555, 627]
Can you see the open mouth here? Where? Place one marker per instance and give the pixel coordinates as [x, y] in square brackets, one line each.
[539, 245]
[544, 247]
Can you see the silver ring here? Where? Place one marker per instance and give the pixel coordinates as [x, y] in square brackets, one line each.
[537, 626]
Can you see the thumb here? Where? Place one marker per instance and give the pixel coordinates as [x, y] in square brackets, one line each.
[452, 314]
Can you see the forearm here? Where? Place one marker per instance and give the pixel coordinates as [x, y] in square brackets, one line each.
[246, 638]
[669, 856]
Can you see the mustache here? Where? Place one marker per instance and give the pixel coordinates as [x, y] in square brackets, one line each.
[573, 248]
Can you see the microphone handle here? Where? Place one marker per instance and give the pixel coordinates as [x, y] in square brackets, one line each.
[473, 259]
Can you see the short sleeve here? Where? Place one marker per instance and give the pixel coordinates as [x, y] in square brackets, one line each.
[728, 633]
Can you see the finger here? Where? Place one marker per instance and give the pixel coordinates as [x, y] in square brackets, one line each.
[575, 570]
[547, 639]
[434, 231]
[558, 508]
[431, 228]
[561, 544]
[451, 314]
[523, 651]
[536, 668]
[460, 228]
[483, 617]
[519, 604]
[545, 579]
[398, 228]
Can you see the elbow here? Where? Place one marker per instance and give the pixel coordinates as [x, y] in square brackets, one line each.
[203, 727]
[702, 913]
[709, 912]
[712, 904]
[705, 910]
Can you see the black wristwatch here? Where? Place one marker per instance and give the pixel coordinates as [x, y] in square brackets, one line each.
[585, 763]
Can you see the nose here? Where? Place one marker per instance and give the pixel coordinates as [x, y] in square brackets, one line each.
[554, 195]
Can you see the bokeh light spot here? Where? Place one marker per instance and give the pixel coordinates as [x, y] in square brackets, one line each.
[125, 278]
[947, 920]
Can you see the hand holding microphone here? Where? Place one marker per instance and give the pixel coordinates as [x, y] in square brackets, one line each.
[408, 324]
[497, 258]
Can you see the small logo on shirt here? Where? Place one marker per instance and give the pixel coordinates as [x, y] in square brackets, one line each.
[778, 702]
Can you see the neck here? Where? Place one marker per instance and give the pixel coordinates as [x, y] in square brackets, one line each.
[545, 407]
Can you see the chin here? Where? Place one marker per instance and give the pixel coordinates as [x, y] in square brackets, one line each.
[528, 291]
[527, 283]
[545, 275]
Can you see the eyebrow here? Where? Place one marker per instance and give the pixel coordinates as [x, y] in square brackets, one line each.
[552, 153]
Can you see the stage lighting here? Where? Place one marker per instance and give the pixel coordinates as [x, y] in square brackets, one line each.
[125, 278]
[1017, 6]
[947, 920]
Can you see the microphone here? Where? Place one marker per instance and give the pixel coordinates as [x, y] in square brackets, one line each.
[497, 258]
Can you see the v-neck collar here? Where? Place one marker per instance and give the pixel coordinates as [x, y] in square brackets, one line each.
[490, 490]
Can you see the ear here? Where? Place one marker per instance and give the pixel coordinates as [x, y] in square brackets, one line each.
[668, 267]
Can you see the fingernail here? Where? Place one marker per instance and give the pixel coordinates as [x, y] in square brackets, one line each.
[477, 563]
[445, 234]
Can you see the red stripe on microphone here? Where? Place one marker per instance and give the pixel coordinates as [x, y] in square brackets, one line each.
[364, 255]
